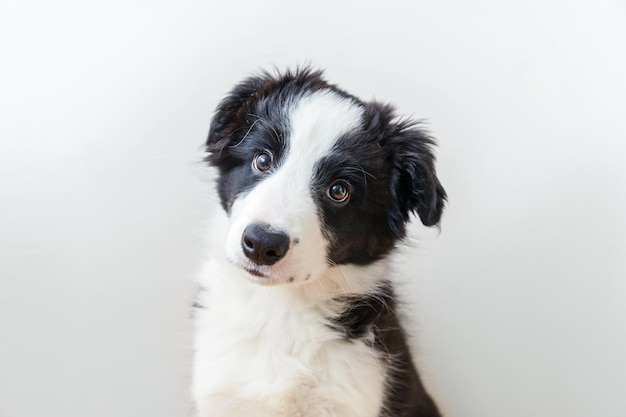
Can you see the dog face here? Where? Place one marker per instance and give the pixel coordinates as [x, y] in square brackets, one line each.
[312, 177]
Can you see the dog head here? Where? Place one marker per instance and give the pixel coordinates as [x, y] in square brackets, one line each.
[312, 177]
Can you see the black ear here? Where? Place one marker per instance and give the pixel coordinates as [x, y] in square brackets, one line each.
[415, 185]
[230, 114]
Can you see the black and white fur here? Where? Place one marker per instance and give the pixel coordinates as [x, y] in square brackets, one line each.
[297, 313]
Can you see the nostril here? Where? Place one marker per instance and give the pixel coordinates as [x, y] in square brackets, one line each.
[248, 243]
[278, 249]
[272, 254]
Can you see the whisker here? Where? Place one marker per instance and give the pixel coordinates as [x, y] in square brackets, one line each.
[247, 133]
[276, 134]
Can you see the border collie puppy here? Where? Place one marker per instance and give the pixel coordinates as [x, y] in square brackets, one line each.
[297, 313]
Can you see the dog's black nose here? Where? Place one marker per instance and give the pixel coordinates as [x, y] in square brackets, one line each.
[264, 245]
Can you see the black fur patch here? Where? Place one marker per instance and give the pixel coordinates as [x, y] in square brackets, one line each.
[372, 319]
[389, 168]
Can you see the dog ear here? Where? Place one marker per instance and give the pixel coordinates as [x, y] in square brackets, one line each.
[415, 185]
[230, 114]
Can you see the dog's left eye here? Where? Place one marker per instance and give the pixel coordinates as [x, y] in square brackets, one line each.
[262, 161]
[338, 192]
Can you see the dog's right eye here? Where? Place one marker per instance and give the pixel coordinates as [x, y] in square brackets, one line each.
[262, 161]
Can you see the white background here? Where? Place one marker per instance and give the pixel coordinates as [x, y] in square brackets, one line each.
[103, 110]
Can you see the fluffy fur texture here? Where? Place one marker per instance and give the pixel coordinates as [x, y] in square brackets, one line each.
[297, 314]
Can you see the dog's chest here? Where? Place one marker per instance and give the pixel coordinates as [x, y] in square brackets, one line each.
[262, 355]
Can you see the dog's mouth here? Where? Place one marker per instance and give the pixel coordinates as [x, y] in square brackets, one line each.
[261, 274]
[265, 278]
[255, 272]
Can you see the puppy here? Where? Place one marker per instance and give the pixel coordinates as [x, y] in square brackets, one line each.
[298, 316]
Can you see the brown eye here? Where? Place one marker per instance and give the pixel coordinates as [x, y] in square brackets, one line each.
[262, 161]
[338, 192]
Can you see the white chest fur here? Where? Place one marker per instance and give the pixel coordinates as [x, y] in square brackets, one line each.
[268, 351]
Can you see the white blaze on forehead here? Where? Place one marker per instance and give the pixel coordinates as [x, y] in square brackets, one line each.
[317, 121]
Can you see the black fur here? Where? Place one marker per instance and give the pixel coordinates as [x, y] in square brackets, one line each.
[373, 319]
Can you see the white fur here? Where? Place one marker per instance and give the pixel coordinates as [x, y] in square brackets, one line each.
[267, 351]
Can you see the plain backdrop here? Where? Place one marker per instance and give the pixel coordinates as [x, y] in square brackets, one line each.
[104, 106]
